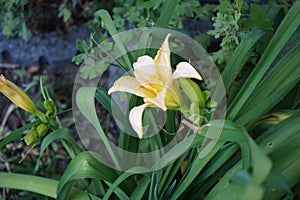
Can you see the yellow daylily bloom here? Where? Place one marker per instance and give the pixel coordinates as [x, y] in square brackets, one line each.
[18, 96]
[155, 83]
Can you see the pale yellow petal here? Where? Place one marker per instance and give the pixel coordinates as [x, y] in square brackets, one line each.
[186, 70]
[144, 70]
[127, 84]
[159, 99]
[136, 119]
[162, 61]
[173, 97]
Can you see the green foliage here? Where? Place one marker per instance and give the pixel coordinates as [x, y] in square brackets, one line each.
[17, 16]
[64, 12]
[13, 20]
[236, 19]
[257, 153]
[140, 13]
[227, 23]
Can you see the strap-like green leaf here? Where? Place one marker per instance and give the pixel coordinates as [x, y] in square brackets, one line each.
[282, 78]
[17, 133]
[85, 165]
[166, 13]
[252, 157]
[141, 188]
[286, 29]
[61, 133]
[240, 57]
[110, 27]
[85, 101]
[31, 183]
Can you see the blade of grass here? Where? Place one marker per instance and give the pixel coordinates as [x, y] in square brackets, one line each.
[85, 165]
[273, 141]
[141, 188]
[242, 187]
[110, 27]
[286, 29]
[282, 144]
[119, 193]
[153, 185]
[240, 56]
[30, 183]
[115, 184]
[85, 102]
[274, 87]
[17, 133]
[253, 157]
[169, 175]
[62, 133]
[197, 166]
[276, 180]
[205, 185]
[166, 13]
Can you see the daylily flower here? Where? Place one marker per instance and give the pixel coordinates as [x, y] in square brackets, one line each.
[18, 96]
[155, 83]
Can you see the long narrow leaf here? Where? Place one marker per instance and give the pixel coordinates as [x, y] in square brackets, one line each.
[166, 13]
[17, 133]
[141, 188]
[85, 102]
[30, 183]
[286, 29]
[240, 56]
[115, 184]
[85, 165]
[110, 27]
[274, 87]
[274, 141]
[253, 157]
[62, 133]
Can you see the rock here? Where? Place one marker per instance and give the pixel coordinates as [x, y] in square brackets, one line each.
[49, 46]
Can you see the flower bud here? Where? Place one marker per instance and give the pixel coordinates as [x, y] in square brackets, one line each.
[18, 96]
[42, 129]
[32, 137]
[193, 91]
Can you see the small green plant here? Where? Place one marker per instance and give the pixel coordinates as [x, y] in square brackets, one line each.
[22, 18]
[12, 17]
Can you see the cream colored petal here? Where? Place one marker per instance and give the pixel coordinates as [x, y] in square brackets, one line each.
[127, 84]
[186, 70]
[136, 119]
[162, 61]
[144, 70]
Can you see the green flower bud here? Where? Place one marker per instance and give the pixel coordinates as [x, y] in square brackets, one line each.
[206, 95]
[32, 137]
[49, 105]
[42, 129]
[193, 91]
[211, 104]
[44, 119]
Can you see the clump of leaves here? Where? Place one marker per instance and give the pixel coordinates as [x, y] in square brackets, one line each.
[140, 13]
[236, 19]
[227, 25]
[22, 17]
[12, 18]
